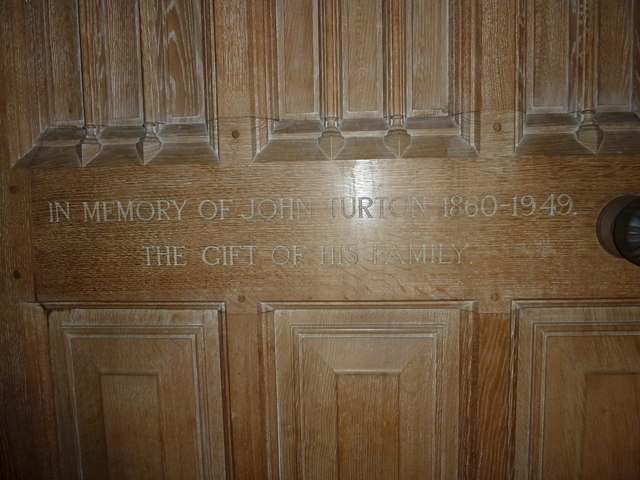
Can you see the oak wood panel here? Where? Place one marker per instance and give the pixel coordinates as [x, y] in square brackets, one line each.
[139, 392]
[26, 106]
[578, 367]
[22, 436]
[64, 57]
[428, 44]
[183, 59]
[121, 29]
[363, 74]
[357, 390]
[615, 54]
[492, 418]
[552, 257]
[297, 40]
[94, 76]
[233, 71]
[548, 56]
[152, 45]
[394, 24]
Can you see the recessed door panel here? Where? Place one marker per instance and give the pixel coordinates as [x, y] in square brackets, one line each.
[139, 393]
[578, 391]
[367, 392]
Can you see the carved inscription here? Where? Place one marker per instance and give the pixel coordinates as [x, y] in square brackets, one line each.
[419, 250]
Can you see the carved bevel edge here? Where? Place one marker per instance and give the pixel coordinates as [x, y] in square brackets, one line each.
[397, 139]
[589, 132]
[90, 146]
[149, 144]
[331, 140]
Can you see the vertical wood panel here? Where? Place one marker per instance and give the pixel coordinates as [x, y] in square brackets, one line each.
[139, 393]
[615, 54]
[132, 425]
[122, 31]
[611, 413]
[362, 56]
[395, 59]
[567, 358]
[232, 54]
[548, 56]
[365, 392]
[94, 76]
[64, 47]
[183, 60]
[428, 73]
[297, 36]
[153, 67]
[368, 425]
[330, 60]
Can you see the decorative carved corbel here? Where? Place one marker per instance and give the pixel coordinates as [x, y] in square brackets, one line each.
[90, 146]
[149, 145]
[331, 141]
[589, 132]
[397, 139]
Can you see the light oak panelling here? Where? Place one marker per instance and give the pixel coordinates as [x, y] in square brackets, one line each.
[346, 42]
[25, 106]
[363, 79]
[615, 54]
[110, 44]
[142, 61]
[580, 55]
[64, 63]
[297, 43]
[578, 385]
[366, 390]
[428, 53]
[182, 57]
[548, 56]
[139, 392]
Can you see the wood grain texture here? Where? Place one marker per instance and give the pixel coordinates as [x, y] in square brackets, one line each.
[464, 64]
[331, 58]
[362, 59]
[498, 58]
[521, 255]
[548, 56]
[20, 440]
[139, 392]
[121, 32]
[182, 51]
[493, 441]
[233, 72]
[153, 67]
[428, 71]
[567, 356]
[298, 69]
[365, 389]
[615, 55]
[395, 51]
[63, 34]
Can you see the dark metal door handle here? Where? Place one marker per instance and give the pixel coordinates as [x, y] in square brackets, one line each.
[618, 228]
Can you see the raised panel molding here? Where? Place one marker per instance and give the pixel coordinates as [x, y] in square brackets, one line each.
[378, 79]
[577, 82]
[140, 391]
[577, 391]
[368, 390]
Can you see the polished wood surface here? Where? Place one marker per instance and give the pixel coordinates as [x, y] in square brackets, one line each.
[578, 372]
[481, 333]
[139, 392]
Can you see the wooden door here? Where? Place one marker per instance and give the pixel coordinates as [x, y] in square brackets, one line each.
[262, 239]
